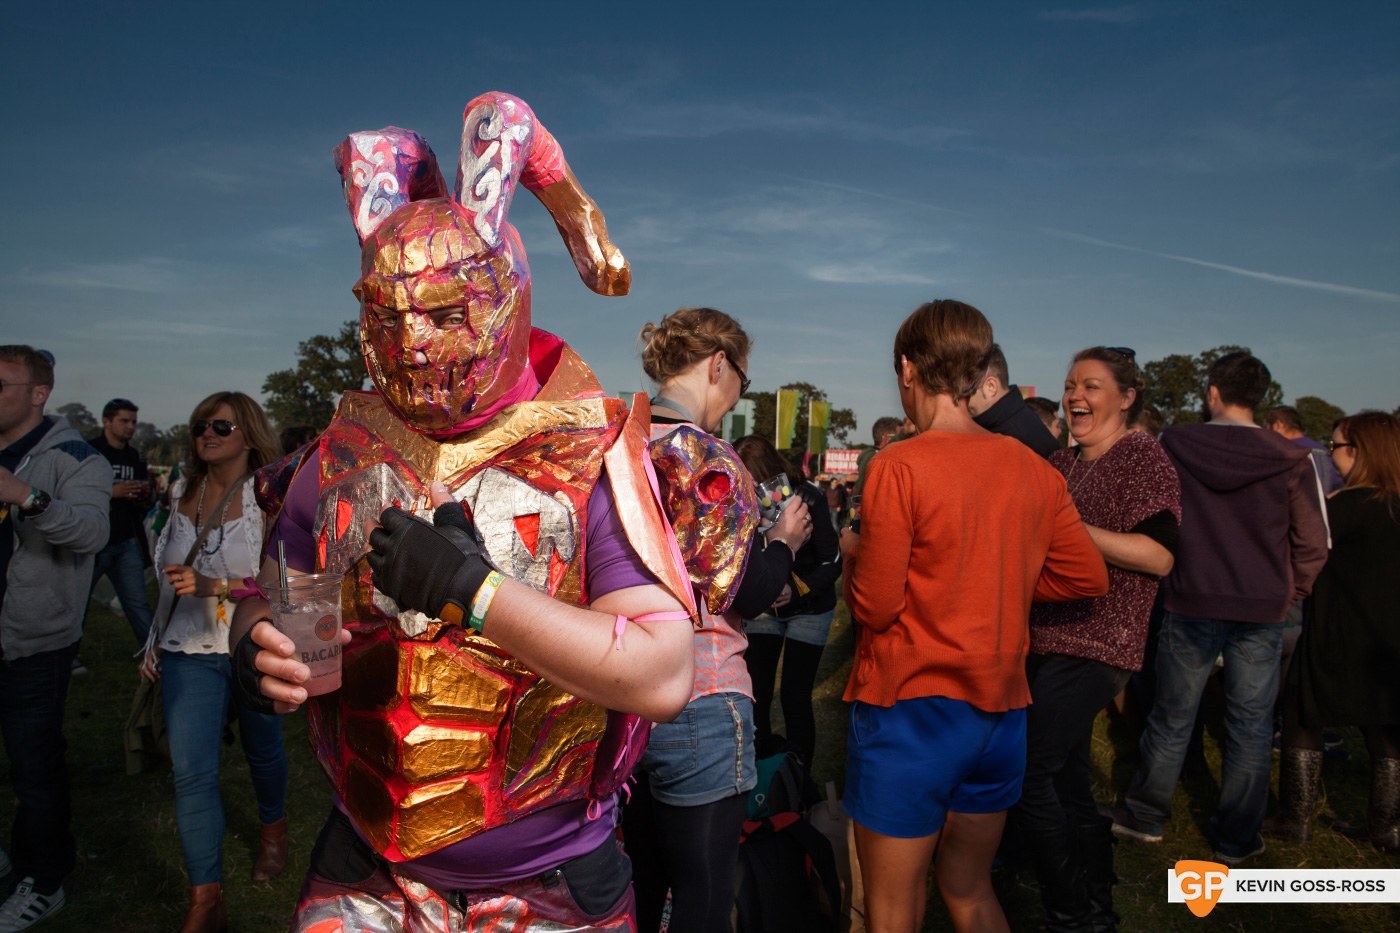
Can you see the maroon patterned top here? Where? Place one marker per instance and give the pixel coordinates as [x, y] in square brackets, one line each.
[1131, 482]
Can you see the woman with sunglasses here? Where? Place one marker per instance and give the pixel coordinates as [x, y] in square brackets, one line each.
[230, 437]
[1083, 652]
[1344, 668]
[682, 825]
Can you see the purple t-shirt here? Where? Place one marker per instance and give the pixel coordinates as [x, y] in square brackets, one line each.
[548, 838]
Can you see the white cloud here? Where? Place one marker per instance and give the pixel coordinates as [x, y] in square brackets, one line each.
[865, 273]
[1367, 293]
[150, 274]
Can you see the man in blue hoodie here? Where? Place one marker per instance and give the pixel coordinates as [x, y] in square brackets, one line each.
[1252, 542]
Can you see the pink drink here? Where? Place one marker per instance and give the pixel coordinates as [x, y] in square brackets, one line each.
[311, 619]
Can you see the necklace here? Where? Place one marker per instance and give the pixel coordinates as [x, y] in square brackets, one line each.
[212, 544]
[1093, 463]
[1073, 466]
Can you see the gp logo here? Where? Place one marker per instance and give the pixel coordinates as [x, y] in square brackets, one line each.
[1202, 883]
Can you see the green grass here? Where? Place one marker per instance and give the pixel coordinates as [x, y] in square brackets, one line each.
[130, 876]
[1141, 896]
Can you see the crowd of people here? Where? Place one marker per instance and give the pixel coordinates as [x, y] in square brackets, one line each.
[547, 592]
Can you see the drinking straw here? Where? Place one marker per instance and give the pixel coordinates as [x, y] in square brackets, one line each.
[282, 573]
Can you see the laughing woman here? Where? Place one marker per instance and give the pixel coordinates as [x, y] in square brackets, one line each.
[1083, 652]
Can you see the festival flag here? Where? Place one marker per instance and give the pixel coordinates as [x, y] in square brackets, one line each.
[739, 421]
[818, 420]
[786, 419]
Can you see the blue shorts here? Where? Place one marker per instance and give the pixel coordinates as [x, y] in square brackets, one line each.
[808, 629]
[703, 755]
[909, 764]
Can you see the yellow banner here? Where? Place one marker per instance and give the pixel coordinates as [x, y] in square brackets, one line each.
[786, 419]
[818, 420]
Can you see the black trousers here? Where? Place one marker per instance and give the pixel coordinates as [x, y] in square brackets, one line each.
[691, 851]
[33, 691]
[1056, 816]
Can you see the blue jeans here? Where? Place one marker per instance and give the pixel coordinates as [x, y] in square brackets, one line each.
[1186, 652]
[33, 691]
[195, 693]
[121, 561]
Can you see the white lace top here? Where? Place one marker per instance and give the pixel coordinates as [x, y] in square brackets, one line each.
[233, 551]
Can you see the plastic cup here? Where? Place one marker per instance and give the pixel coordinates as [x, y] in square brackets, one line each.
[773, 496]
[311, 619]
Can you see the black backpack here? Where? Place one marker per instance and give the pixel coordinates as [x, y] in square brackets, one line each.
[783, 786]
[788, 881]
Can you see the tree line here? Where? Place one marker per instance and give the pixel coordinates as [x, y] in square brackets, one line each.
[330, 364]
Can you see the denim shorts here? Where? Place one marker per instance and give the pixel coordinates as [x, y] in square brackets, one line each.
[705, 754]
[808, 629]
[909, 764]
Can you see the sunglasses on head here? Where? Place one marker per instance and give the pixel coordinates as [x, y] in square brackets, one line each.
[1129, 352]
[221, 427]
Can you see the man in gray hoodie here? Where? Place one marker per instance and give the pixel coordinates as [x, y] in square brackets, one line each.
[54, 495]
[1252, 542]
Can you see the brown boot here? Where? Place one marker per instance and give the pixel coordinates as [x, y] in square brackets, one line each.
[206, 910]
[272, 851]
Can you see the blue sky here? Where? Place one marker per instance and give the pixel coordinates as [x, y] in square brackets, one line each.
[1167, 176]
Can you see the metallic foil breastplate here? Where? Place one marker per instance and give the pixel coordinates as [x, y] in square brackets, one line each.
[438, 734]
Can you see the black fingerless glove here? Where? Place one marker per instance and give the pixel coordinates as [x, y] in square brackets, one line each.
[436, 569]
[246, 676]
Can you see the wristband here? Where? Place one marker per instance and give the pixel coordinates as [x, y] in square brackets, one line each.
[481, 603]
[36, 503]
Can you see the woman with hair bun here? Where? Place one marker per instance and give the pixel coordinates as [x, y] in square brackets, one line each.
[682, 825]
[1083, 652]
[941, 576]
[1344, 668]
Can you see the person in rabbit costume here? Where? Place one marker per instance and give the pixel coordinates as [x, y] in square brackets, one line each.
[522, 610]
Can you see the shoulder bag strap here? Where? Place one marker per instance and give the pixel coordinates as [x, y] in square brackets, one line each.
[199, 540]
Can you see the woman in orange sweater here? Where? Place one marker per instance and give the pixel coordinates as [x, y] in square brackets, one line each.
[961, 530]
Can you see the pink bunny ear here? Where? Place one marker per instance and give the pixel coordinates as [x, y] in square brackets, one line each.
[383, 170]
[503, 143]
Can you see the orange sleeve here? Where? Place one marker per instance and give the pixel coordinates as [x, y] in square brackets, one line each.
[877, 581]
[1074, 568]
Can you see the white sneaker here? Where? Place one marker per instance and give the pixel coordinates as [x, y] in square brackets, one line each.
[27, 907]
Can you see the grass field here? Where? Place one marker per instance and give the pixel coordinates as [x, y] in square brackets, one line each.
[130, 876]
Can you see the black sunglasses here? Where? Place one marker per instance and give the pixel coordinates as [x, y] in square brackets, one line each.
[1333, 445]
[743, 376]
[1129, 352]
[221, 427]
